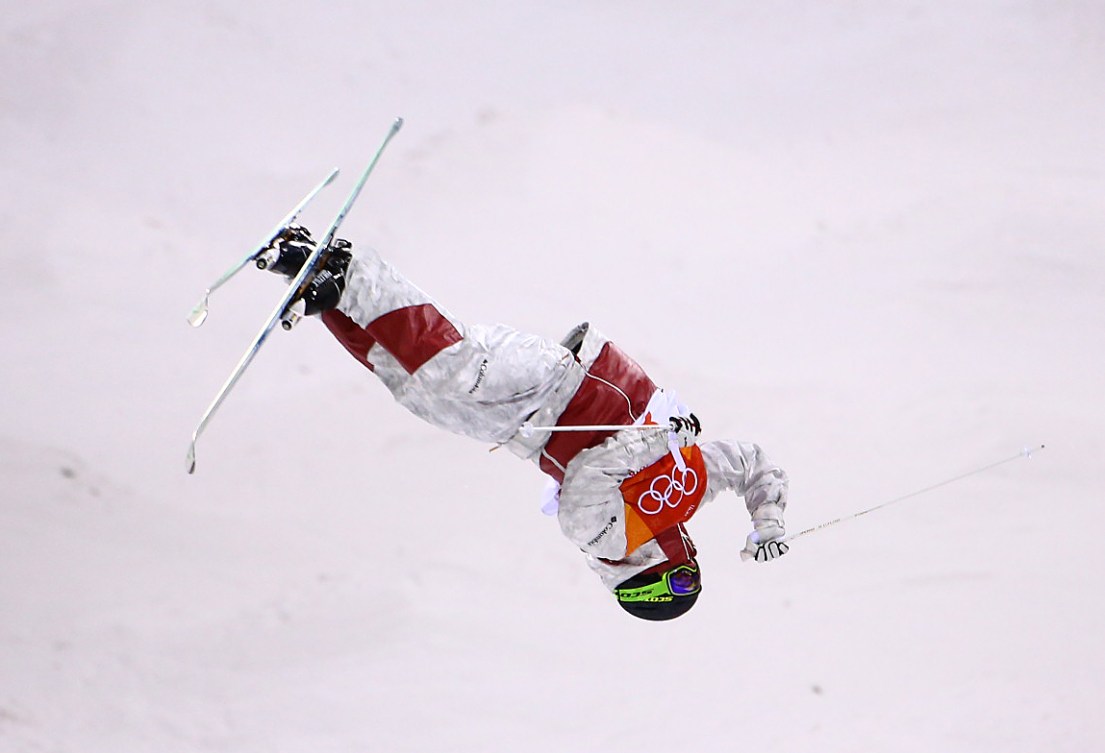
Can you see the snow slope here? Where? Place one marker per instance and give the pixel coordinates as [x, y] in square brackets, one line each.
[864, 235]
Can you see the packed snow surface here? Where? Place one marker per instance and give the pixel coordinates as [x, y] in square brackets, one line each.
[867, 236]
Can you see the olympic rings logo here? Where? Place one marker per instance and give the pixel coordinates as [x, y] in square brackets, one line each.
[667, 491]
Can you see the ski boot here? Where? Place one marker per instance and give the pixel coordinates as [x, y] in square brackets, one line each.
[286, 255]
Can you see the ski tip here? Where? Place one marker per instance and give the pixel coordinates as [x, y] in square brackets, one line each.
[190, 462]
[396, 125]
[199, 312]
[330, 178]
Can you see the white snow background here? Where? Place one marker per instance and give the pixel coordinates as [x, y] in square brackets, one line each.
[867, 236]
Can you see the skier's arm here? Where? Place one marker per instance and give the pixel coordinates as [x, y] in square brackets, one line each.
[743, 468]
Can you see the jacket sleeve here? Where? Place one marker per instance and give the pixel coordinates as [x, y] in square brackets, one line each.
[743, 468]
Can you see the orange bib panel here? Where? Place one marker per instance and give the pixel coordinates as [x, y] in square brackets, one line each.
[661, 496]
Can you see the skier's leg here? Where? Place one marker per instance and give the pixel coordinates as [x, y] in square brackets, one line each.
[394, 313]
[478, 381]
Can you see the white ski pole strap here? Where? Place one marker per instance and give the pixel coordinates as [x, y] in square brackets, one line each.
[1025, 453]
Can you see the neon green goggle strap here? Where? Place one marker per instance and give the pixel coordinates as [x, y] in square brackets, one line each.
[686, 579]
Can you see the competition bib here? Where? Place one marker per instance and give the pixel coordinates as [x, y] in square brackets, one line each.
[662, 495]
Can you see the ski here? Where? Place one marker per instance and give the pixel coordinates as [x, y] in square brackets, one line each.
[283, 310]
[200, 311]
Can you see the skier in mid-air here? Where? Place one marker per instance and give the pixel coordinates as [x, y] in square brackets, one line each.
[623, 496]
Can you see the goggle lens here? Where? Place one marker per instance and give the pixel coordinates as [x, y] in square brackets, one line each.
[684, 580]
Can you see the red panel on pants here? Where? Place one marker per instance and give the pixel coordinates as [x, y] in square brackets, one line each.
[412, 334]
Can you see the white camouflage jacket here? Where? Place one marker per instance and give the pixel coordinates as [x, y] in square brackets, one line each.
[487, 382]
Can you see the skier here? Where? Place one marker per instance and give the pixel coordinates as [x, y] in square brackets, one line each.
[623, 497]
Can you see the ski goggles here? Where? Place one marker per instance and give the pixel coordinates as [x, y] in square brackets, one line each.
[679, 581]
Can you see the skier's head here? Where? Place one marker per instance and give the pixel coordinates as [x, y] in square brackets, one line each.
[662, 593]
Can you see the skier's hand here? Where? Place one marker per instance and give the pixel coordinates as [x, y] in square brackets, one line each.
[766, 543]
[685, 429]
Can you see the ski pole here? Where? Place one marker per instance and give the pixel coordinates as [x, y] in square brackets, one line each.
[1025, 453]
[527, 429]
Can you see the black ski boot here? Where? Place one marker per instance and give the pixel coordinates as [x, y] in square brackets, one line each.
[289, 251]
